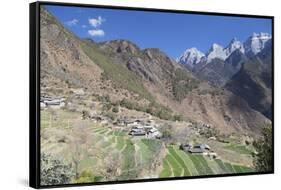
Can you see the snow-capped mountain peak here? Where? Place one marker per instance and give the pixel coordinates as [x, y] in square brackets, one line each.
[234, 45]
[215, 47]
[261, 35]
[216, 51]
[255, 43]
[191, 57]
[251, 47]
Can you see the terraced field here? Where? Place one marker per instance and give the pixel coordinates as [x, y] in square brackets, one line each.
[177, 163]
[58, 118]
[241, 149]
[138, 157]
[136, 154]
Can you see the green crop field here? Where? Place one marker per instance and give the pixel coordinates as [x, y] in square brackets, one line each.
[241, 149]
[178, 163]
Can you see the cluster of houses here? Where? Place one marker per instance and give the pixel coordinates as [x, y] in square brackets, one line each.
[131, 121]
[51, 102]
[147, 131]
[135, 126]
[202, 149]
[143, 128]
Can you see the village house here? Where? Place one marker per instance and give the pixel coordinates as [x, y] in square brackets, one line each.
[196, 149]
[52, 102]
[137, 132]
[136, 122]
[148, 127]
[144, 130]
[154, 133]
[185, 147]
[200, 149]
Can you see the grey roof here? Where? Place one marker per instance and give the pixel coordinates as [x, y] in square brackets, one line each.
[138, 127]
[137, 130]
[137, 133]
[197, 150]
[202, 146]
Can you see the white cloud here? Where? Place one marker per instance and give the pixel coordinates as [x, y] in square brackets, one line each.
[96, 32]
[84, 26]
[96, 22]
[72, 22]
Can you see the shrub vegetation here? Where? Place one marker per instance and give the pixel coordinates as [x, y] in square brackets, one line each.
[55, 171]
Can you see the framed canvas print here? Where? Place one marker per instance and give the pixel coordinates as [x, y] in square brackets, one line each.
[120, 94]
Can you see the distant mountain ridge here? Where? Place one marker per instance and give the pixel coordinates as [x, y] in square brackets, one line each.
[252, 46]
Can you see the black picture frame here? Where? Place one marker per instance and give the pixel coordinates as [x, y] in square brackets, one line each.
[34, 91]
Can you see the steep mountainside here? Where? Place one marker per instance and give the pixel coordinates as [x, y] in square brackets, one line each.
[63, 62]
[219, 71]
[153, 66]
[254, 82]
[121, 70]
[67, 64]
[245, 69]
[179, 90]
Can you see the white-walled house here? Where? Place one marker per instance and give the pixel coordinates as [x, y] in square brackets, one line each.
[52, 102]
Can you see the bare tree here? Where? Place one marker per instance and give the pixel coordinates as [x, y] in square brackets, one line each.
[78, 145]
[111, 168]
[53, 117]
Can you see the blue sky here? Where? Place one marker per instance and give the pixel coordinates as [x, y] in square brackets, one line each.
[172, 33]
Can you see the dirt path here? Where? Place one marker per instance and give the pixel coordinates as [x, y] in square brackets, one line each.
[137, 153]
[124, 147]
